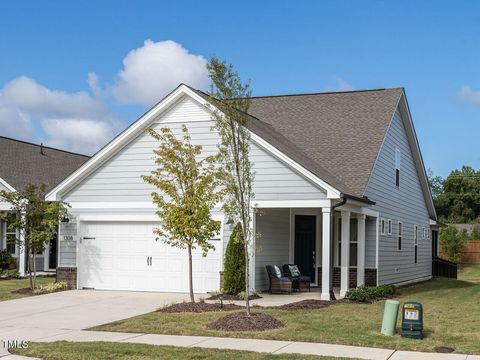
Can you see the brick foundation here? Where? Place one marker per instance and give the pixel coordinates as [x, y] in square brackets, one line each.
[370, 277]
[68, 274]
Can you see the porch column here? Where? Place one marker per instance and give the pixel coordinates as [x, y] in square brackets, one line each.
[251, 251]
[360, 249]
[345, 259]
[326, 250]
[21, 253]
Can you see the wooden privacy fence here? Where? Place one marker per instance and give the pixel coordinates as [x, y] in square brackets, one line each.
[471, 252]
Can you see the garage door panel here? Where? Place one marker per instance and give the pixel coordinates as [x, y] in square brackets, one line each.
[117, 259]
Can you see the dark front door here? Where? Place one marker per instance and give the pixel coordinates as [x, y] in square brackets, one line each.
[305, 244]
[52, 256]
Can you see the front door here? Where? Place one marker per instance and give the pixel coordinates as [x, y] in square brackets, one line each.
[52, 255]
[305, 228]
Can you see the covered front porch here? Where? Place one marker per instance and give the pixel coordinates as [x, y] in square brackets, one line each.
[335, 246]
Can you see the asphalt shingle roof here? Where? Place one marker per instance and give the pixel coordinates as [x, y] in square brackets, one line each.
[22, 162]
[341, 131]
[336, 136]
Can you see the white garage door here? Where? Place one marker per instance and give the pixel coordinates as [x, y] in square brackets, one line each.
[125, 256]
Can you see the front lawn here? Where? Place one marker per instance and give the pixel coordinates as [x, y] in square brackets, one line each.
[7, 287]
[105, 350]
[451, 318]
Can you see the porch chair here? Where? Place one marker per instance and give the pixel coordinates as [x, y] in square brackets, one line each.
[299, 282]
[278, 283]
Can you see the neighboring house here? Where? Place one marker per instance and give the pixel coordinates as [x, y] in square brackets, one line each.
[22, 163]
[337, 174]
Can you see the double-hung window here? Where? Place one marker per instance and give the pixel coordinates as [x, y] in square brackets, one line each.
[400, 235]
[383, 227]
[10, 237]
[415, 244]
[398, 156]
[389, 227]
[353, 242]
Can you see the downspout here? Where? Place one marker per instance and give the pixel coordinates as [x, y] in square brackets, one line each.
[332, 241]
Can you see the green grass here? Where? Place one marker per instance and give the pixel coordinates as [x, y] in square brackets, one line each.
[7, 286]
[451, 318]
[107, 350]
[469, 273]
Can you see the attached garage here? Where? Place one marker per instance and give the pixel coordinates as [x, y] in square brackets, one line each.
[124, 255]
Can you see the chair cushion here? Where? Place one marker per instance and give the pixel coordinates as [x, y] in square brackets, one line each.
[304, 278]
[285, 279]
[276, 272]
[294, 270]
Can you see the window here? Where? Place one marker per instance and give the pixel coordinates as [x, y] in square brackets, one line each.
[398, 157]
[353, 242]
[389, 227]
[415, 244]
[424, 234]
[400, 236]
[10, 238]
[382, 227]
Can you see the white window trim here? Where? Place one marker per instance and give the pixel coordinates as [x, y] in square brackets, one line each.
[383, 226]
[399, 236]
[4, 238]
[389, 227]
[338, 244]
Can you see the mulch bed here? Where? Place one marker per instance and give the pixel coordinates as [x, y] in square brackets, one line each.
[198, 307]
[229, 297]
[306, 305]
[240, 321]
[24, 291]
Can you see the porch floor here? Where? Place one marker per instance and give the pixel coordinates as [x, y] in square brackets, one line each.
[268, 299]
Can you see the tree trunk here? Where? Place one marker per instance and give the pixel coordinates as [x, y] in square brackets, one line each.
[190, 273]
[34, 270]
[247, 279]
[29, 269]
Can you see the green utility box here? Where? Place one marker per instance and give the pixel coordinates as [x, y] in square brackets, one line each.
[412, 320]
[390, 314]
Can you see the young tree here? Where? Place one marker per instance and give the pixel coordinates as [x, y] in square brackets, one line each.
[231, 99]
[36, 220]
[188, 191]
[452, 242]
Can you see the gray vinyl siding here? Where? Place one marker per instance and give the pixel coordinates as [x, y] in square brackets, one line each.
[68, 253]
[370, 242]
[405, 203]
[272, 246]
[118, 179]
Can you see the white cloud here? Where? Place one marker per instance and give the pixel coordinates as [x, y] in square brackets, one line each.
[83, 121]
[155, 69]
[14, 123]
[467, 94]
[80, 135]
[73, 121]
[342, 84]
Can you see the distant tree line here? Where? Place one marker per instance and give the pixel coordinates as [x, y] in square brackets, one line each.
[457, 197]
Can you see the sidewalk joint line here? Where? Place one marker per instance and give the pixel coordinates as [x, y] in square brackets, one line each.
[201, 341]
[283, 347]
[394, 351]
[130, 337]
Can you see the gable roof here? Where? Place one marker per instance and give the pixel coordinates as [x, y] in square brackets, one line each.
[334, 138]
[343, 131]
[22, 162]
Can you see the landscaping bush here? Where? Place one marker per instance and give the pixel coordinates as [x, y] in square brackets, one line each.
[52, 287]
[365, 293]
[234, 268]
[9, 274]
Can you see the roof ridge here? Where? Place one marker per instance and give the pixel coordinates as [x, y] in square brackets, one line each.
[326, 93]
[44, 146]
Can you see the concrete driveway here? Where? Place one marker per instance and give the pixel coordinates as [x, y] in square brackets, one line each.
[43, 316]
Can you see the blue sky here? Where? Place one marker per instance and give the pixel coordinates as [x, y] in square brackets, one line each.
[72, 74]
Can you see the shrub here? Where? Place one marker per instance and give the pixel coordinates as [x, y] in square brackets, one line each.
[234, 269]
[364, 293]
[452, 242]
[10, 274]
[52, 287]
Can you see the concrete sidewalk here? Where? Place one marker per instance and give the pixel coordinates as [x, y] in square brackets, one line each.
[266, 346]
